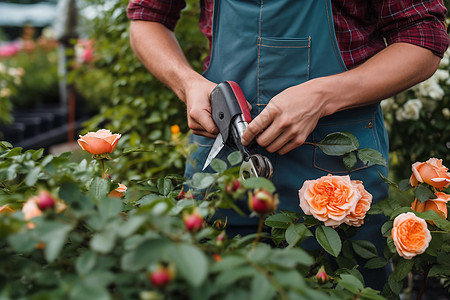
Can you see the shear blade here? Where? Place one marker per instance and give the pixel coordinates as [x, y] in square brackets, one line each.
[216, 147]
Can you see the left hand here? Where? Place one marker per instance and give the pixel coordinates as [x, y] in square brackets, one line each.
[288, 119]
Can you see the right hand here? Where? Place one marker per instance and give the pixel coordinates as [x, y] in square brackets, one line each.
[198, 107]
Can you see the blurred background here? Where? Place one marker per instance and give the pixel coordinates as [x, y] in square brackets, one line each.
[66, 67]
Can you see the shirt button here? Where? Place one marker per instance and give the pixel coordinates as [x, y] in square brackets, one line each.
[370, 125]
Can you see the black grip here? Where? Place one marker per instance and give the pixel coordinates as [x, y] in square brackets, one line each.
[224, 107]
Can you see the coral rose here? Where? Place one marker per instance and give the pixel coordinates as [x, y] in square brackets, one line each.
[31, 210]
[439, 205]
[431, 172]
[410, 234]
[100, 142]
[356, 218]
[118, 192]
[329, 199]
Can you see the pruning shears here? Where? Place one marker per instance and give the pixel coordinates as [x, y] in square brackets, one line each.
[231, 115]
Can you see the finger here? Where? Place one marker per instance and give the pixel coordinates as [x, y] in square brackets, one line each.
[256, 127]
[249, 106]
[204, 133]
[291, 144]
[206, 122]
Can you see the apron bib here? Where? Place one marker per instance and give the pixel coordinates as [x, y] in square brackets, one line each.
[267, 46]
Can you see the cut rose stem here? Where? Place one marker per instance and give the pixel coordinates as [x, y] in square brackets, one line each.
[258, 234]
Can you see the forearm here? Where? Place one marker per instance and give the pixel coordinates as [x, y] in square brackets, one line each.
[157, 48]
[391, 71]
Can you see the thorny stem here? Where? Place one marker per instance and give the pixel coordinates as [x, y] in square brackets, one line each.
[258, 234]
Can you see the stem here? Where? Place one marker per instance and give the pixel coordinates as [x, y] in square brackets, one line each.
[424, 283]
[103, 168]
[258, 234]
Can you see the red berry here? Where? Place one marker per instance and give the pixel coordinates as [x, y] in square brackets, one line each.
[193, 222]
[45, 201]
[160, 277]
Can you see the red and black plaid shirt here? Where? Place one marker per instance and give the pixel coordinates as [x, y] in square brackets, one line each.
[361, 26]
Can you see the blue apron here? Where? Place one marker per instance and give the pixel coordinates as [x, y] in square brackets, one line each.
[267, 46]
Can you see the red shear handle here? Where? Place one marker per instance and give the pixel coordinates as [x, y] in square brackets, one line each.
[241, 100]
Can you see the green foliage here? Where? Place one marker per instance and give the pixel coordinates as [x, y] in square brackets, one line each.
[129, 99]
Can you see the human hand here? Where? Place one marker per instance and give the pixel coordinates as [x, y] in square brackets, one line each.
[288, 119]
[198, 107]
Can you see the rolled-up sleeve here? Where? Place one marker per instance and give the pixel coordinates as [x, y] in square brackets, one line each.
[166, 12]
[420, 23]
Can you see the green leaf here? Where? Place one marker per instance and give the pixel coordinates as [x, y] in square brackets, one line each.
[235, 158]
[110, 207]
[387, 180]
[99, 188]
[371, 157]
[350, 283]
[404, 185]
[218, 165]
[278, 221]
[402, 268]
[54, 236]
[369, 293]
[21, 242]
[85, 262]
[146, 254]
[130, 226]
[32, 176]
[259, 183]
[37, 154]
[261, 288]
[423, 193]
[364, 249]
[297, 233]
[164, 186]
[291, 257]
[329, 239]
[5, 145]
[103, 242]
[228, 262]
[202, 180]
[375, 263]
[338, 143]
[83, 291]
[349, 160]
[191, 262]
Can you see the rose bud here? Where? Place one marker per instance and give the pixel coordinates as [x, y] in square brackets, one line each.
[193, 221]
[118, 192]
[100, 142]
[45, 201]
[262, 202]
[321, 276]
[184, 195]
[161, 275]
[220, 224]
[234, 186]
[221, 238]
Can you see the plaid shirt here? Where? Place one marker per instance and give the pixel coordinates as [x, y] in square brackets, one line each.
[361, 29]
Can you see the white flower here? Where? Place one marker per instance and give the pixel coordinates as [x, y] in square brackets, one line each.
[386, 105]
[409, 111]
[441, 75]
[446, 113]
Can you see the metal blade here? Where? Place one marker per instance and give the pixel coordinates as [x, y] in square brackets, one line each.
[215, 149]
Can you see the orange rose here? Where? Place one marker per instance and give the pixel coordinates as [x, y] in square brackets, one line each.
[356, 218]
[439, 205]
[431, 172]
[329, 199]
[31, 210]
[410, 234]
[118, 192]
[100, 142]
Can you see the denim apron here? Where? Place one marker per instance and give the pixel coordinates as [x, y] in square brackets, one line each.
[267, 46]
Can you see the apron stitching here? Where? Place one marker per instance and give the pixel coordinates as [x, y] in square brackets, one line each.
[216, 21]
[283, 47]
[259, 53]
[309, 57]
[338, 55]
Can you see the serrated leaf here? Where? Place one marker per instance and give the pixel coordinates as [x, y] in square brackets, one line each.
[338, 143]
[329, 239]
[291, 257]
[423, 194]
[350, 283]
[371, 157]
[191, 262]
[259, 182]
[364, 249]
[32, 176]
[85, 262]
[99, 188]
[235, 158]
[296, 233]
[404, 185]
[376, 263]
[164, 186]
[402, 268]
[349, 160]
[278, 221]
[218, 165]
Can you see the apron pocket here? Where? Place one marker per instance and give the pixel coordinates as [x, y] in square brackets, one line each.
[362, 129]
[282, 63]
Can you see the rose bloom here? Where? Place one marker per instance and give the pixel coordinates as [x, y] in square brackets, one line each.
[431, 172]
[329, 199]
[118, 192]
[410, 234]
[356, 218]
[31, 210]
[100, 142]
[439, 205]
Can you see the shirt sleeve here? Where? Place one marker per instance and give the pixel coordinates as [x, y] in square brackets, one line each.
[166, 12]
[420, 23]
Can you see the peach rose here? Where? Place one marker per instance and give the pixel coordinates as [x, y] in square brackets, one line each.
[100, 142]
[31, 210]
[118, 192]
[431, 172]
[356, 218]
[410, 234]
[439, 205]
[329, 199]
